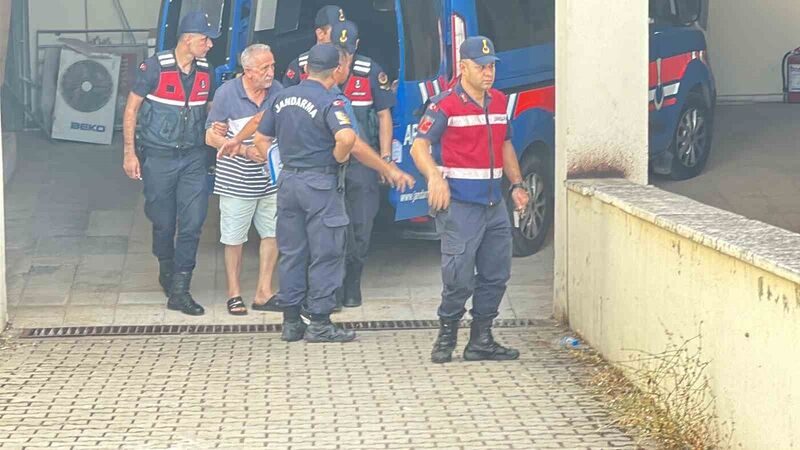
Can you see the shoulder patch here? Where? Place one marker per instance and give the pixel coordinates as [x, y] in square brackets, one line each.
[338, 103]
[383, 78]
[433, 107]
[342, 117]
[143, 66]
[425, 124]
[290, 73]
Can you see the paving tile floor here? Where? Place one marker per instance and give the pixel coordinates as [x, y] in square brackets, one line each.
[78, 253]
[255, 391]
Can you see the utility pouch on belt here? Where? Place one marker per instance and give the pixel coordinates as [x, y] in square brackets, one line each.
[341, 174]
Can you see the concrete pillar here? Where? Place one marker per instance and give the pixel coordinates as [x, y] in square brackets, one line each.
[5, 17]
[602, 55]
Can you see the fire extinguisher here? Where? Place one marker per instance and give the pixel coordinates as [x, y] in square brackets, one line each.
[790, 69]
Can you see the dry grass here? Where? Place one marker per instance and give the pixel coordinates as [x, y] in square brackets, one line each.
[664, 397]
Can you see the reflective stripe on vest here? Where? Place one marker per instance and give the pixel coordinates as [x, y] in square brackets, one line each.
[169, 90]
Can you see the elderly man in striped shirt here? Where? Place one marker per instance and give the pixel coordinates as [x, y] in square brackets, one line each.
[247, 194]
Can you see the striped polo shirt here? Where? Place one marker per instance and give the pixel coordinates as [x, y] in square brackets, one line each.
[237, 176]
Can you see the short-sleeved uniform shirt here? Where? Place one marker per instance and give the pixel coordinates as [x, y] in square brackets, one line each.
[304, 119]
[150, 70]
[237, 176]
[348, 107]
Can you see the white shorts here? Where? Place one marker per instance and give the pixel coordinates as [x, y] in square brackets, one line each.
[236, 215]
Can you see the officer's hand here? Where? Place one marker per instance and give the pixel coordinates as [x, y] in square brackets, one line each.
[220, 128]
[132, 167]
[521, 198]
[399, 179]
[438, 193]
[231, 147]
[251, 152]
[385, 176]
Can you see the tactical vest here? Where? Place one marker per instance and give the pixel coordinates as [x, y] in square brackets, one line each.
[359, 90]
[470, 153]
[171, 118]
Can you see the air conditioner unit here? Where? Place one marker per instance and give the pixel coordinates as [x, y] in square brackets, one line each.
[86, 96]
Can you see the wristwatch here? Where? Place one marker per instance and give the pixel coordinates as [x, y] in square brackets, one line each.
[515, 186]
[387, 158]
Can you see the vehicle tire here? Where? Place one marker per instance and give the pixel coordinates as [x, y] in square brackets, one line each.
[691, 144]
[535, 221]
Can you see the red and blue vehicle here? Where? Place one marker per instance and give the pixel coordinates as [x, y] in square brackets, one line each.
[416, 43]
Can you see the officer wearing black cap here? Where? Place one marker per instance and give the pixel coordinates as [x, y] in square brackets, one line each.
[463, 148]
[173, 89]
[370, 93]
[316, 137]
[326, 17]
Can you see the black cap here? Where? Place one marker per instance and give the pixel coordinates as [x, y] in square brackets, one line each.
[345, 34]
[329, 15]
[323, 57]
[479, 49]
[197, 22]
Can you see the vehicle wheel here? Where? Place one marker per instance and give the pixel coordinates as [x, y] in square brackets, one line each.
[691, 144]
[535, 220]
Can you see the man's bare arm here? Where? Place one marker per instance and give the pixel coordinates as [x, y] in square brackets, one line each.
[130, 162]
[214, 139]
[438, 189]
[367, 156]
[132, 107]
[510, 163]
[385, 132]
[345, 139]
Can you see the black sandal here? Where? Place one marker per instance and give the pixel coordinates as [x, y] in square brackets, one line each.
[236, 306]
[270, 305]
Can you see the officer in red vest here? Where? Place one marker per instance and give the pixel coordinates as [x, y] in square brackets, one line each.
[326, 17]
[463, 148]
[173, 89]
[369, 91]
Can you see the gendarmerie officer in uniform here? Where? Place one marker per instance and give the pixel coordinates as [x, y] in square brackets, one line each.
[326, 17]
[468, 128]
[173, 89]
[370, 94]
[315, 137]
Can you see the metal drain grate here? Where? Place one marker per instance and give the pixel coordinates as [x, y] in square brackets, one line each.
[166, 330]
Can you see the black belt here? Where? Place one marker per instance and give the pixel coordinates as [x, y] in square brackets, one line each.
[333, 170]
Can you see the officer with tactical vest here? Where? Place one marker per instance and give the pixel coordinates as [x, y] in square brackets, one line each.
[371, 96]
[173, 90]
[326, 17]
[463, 148]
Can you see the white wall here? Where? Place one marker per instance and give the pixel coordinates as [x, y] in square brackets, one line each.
[70, 15]
[595, 136]
[747, 39]
[644, 263]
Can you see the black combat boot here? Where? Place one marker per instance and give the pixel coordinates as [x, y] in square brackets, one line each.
[179, 297]
[293, 326]
[482, 346]
[322, 330]
[165, 269]
[446, 342]
[352, 285]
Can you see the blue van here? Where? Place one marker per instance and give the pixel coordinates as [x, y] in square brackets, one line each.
[415, 41]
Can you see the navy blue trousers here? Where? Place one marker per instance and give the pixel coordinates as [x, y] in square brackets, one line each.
[176, 202]
[311, 228]
[476, 258]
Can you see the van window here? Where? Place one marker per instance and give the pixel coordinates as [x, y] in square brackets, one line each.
[513, 24]
[422, 37]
